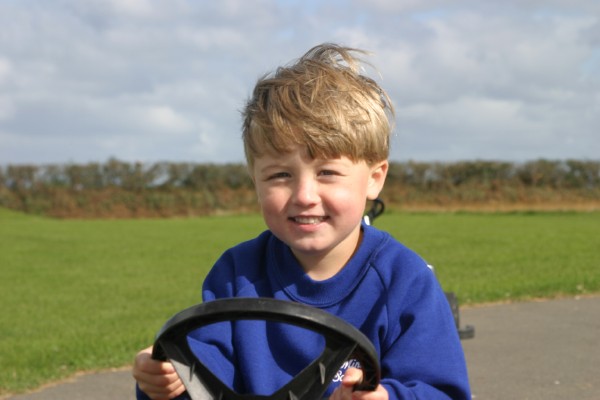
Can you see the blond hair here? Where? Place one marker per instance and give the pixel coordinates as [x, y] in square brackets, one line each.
[321, 102]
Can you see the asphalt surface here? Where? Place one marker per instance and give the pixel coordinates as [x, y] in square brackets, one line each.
[542, 350]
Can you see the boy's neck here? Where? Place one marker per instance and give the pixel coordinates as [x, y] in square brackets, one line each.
[324, 266]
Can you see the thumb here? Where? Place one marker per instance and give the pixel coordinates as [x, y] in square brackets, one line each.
[352, 377]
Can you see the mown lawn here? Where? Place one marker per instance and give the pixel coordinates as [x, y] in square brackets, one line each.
[515, 256]
[85, 295]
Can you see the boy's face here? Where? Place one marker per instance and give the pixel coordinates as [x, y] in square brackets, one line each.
[316, 206]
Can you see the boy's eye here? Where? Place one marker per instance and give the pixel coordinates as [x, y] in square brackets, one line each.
[279, 175]
[327, 172]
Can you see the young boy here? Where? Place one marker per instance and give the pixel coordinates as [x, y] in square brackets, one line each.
[316, 136]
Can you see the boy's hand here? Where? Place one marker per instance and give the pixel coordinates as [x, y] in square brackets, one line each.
[352, 377]
[156, 378]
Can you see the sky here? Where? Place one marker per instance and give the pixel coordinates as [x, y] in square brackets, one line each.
[164, 80]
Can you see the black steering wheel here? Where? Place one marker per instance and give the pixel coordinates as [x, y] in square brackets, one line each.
[342, 342]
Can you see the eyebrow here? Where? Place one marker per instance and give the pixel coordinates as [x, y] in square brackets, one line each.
[270, 166]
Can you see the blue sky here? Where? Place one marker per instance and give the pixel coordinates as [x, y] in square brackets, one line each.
[145, 80]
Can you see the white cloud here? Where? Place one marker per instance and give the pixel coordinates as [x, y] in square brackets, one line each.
[136, 8]
[162, 119]
[164, 80]
[7, 108]
[5, 70]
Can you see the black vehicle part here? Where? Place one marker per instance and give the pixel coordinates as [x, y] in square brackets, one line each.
[377, 208]
[466, 332]
[342, 342]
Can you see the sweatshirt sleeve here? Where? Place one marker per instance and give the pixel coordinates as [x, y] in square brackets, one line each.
[424, 358]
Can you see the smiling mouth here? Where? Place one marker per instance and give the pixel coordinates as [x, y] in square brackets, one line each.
[308, 220]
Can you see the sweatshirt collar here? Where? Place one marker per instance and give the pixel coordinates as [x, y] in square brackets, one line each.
[287, 274]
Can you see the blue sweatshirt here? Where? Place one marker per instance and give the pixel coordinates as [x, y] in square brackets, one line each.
[386, 291]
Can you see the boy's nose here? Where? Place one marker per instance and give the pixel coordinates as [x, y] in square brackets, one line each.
[305, 192]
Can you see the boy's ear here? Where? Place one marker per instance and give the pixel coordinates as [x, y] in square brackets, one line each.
[377, 179]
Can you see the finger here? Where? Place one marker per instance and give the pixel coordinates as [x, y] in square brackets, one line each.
[160, 380]
[352, 377]
[380, 393]
[164, 387]
[144, 362]
[342, 393]
[156, 376]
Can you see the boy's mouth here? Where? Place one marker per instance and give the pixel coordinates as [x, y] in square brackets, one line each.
[308, 220]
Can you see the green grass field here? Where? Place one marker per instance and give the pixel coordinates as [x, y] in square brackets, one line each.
[86, 295]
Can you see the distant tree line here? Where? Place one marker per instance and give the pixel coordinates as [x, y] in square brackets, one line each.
[122, 189]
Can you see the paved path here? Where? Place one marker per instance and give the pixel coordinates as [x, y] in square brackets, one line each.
[548, 350]
[535, 351]
[108, 385]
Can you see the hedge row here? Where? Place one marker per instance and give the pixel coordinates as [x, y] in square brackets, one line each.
[121, 189]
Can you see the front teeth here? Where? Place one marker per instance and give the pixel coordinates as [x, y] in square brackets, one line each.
[308, 220]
